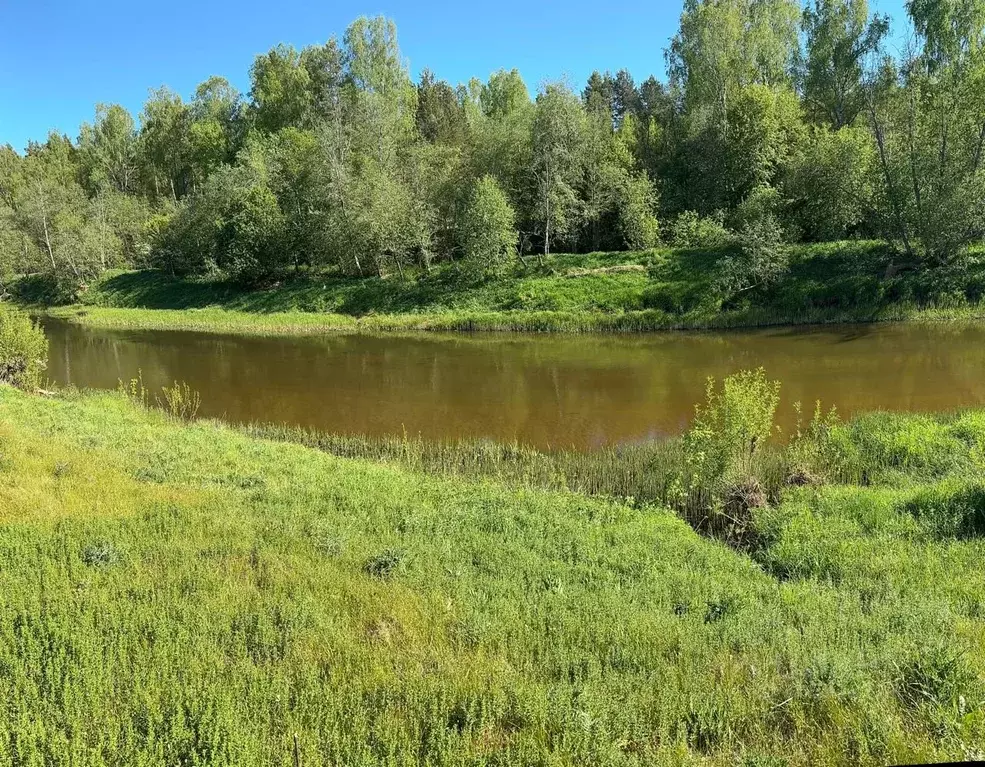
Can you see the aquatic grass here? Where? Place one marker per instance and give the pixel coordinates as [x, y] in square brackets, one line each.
[638, 473]
[225, 321]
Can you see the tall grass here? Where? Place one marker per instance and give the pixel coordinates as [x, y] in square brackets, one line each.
[23, 349]
[186, 594]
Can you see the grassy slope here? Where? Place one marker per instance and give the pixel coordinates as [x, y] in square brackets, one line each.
[189, 595]
[834, 282]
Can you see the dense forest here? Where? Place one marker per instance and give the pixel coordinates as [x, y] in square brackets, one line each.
[775, 124]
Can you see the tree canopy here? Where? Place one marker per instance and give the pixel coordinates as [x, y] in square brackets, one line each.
[775, 123]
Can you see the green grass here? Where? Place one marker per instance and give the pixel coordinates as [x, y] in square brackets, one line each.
[190, 594]
[662, 290]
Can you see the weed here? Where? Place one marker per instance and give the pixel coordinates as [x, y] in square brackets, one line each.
[386, 564]
[181, 401]
[100, 554]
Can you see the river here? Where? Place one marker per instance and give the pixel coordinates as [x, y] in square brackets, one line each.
[547, 390]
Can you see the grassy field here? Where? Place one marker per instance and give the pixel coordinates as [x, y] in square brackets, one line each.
[599, 292]
[190, 594]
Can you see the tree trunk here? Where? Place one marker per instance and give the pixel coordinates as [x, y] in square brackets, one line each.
[547, 221]
[890, 187]
[44, 226]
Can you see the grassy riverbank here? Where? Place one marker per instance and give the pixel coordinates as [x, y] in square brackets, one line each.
[600, 292]
[189, 594]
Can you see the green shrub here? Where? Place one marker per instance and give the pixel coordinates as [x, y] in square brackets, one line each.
[728, 432]
[814, 454]
[23, 349]
[690, 230]
[762, 260]
[488, 229]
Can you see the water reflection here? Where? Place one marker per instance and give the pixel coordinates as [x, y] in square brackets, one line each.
[549, 391]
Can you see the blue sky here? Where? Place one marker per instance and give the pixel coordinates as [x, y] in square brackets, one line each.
[58, 58]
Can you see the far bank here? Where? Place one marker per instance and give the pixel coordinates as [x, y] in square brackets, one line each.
[632, 292]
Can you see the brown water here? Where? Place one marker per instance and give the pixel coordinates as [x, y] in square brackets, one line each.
[548, 391]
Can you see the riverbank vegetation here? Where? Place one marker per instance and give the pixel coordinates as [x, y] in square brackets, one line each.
[776, 125]
[599, 292]
[267, 599]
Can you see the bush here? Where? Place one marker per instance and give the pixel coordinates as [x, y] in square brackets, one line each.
[690, 230]
[488, 231]
[763, 258]
[23, 349]
[813, 454]
[637, 201]
[728, 432]
[761, 203]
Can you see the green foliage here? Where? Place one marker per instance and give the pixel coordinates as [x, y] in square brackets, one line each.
[839, 36]
[336, 163]
[557, 161]
[691, 230]
[108, 150]
[845, 636]
[831, 184]
[728, 431]
[813, 453]
[23, 349]
[637, 218]
[488, 230]
[763, 256]
[723, 46]
[926, 115]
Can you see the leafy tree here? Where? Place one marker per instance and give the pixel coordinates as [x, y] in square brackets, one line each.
[557, 138]
[500, 118]
[249, 243]
[164, 145]
[725, 45]
[830, 185]
[280, 89]
[488, 230]
[108, 150]
[325, 65]
[215, 125]
[65, 233]
[435, 174]
[839, 36]
[440, 117]
[766, 134]
[637, 204]
[383, 97]
[928, 122]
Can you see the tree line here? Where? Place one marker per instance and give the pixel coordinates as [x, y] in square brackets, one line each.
[776, 123]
